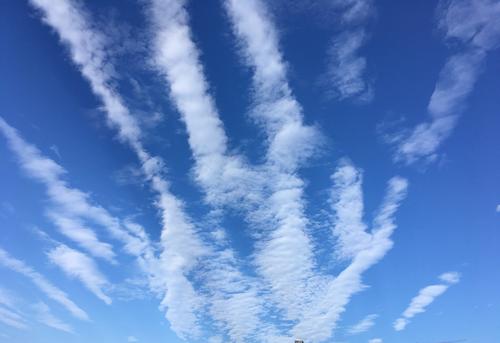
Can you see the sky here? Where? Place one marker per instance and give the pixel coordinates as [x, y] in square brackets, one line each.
[249, 171]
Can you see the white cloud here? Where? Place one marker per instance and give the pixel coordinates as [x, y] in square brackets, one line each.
[364, 325]
[132, 339]
[400, 324]
[45, 316]
[477, 35]
[72, 210]
[272, 194]
[85, 237]
[424, 298]
[9, 314]
[375, 340]
[11, 318]
[225, 178]
[276, 109]
[450, 277]
[78, 265]
[498, 208]
[70, 203]
[290, 143]
[320, 317]
[346, 67]
[7, 299]
[347, 202]
[182, 248]
[42, 283]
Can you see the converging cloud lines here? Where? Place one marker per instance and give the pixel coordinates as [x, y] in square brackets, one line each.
[240, 218]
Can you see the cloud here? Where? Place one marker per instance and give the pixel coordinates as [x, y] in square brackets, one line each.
[226, 178]
[319, 318]
[450, 277]
[72, 210]
[42, 283]
[201, 281]
[375, 340]
[424, 298]
[475, 36]
[289, 143]
[132, 339]
[78, 265]
[346, 67]
[7, 299]
[347, 201]
[289, 275]
[9, 314]
[69, 203]
[85, 237]
[181, 245]
[11, 318]
[364, 325]
[44, 316]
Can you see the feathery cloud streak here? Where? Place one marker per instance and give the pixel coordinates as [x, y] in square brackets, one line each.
[71, 205]
[9, 314]
[182, 248]
[424, 298]
[319, 319]
[290, 143]
[364, 325]
[11, 318]
[291, 277]
[474, 26]
[42, 283]
[80, 266]
[45, 316]
[225, 178]
[50, 173]
[177, 59]
[346, 69]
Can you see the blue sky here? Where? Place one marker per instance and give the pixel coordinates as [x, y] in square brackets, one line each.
[249, 171]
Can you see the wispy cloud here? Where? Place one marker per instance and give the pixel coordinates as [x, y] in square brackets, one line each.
[45, 316]
[69, 202]
[347, 67]
[424, 298]
[226, 178]
[289, 143]
[474, 27]
[364, 325]
[320, 318]
[375, 340]
[182, 247]
[8, 313]
[78, 265]
[347, 200]
[11, 318]
[42, 283]
[72, 210]
[272, 194]
[7, 298]
[303, 294]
